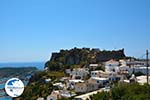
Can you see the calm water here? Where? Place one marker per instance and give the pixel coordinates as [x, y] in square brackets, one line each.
[3, 93]
[1, 86]
[39, 65]
[5, 98]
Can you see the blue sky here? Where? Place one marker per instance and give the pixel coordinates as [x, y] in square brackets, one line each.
[30, 30]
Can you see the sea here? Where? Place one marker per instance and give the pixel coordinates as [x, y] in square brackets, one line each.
[39, 65]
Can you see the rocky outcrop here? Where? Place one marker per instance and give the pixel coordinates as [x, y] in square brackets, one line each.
[77, 56]
[107, 55]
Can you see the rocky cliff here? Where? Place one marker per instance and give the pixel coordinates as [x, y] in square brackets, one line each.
[77, 56]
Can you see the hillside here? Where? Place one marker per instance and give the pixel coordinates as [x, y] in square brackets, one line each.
[13, 72]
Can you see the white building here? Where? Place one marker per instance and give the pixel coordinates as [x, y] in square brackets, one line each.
[48, 80]
[85, 87]
[40, 98]
[123, 62]
[114, 76]
[59, 85]
[139, 69]
[100, 81]
[123, 70]
[109, 75]
[142, 79]
[67, 94]
[93, 66]
[71, 83]
[55, 95]
[96, 73]
[79, 73]
[100, 73]
[111, 66]
[136, 63]
[68, 71]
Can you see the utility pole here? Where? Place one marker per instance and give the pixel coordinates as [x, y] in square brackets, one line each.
[147, 66]
[110, 91]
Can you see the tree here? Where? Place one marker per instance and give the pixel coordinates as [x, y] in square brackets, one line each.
[126, 92]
